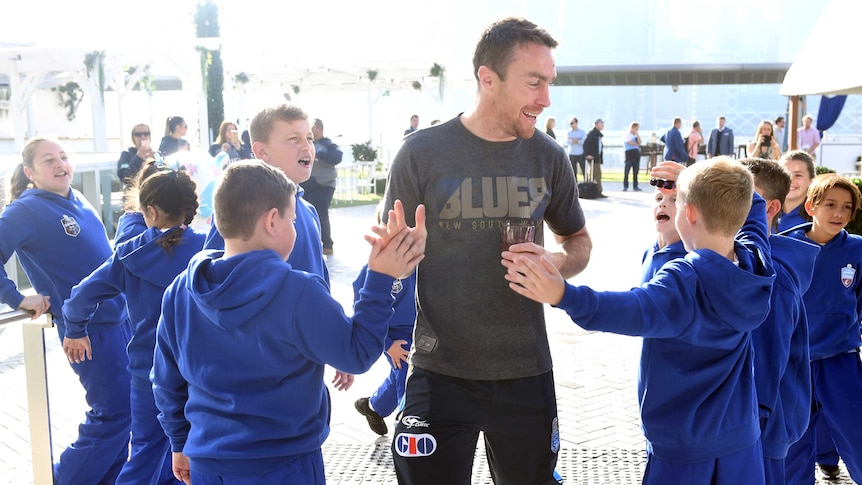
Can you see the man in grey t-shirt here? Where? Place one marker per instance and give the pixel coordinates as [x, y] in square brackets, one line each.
[481, 356]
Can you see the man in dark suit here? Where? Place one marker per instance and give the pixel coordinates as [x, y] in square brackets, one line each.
[414, 125]
[674, 143]
[593, 151]
[720, 141]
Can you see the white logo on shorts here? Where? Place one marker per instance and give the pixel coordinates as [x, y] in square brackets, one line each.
[413, 422]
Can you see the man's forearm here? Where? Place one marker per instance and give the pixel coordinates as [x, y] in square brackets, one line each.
[576, 253]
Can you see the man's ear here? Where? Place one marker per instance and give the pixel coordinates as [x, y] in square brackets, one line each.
[487, 76]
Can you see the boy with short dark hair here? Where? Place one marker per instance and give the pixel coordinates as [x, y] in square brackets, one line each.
[243, 339]
[781, 370]
[696, 386]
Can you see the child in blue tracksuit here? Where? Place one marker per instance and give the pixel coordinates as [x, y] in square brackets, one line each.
[141, 268]
[834, 306]
[228, 416]
[398, 341]
[697, 396]
[781, 358]
[800, 165]
[668, 245]
[60, 239]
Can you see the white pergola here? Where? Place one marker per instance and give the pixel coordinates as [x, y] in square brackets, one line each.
[32, 67]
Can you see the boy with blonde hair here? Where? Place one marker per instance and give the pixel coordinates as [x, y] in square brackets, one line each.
[243, 339]
[696, 386]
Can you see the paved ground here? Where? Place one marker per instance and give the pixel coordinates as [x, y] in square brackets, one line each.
[595, 373]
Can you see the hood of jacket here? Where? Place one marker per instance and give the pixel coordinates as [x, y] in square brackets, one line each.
[232, 291]
[145, 258]
[753, 276]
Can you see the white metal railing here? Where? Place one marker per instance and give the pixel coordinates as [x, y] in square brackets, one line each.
[36, 375]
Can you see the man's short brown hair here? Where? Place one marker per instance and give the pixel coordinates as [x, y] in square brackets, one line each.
[245, 191]
[497, 45]
[721, 189]
[261, 125]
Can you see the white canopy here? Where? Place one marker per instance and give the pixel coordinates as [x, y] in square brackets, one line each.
[828, 63]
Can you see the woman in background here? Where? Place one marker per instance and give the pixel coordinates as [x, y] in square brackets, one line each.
[132, 159]
[228, 142]
[550, 124]
[693, 142]
[175, 130]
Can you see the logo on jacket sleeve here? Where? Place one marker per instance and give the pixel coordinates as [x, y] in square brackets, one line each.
[397, 286]
[848, 274]
[415, 445]
[70, 226]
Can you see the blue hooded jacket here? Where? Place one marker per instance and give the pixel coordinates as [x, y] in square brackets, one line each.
[834, 299]
[404, 320]
[696, 385]
[655, 257]
[307, 254]
[240, 354]
[59, 241]
[782, 372]
[141, 269]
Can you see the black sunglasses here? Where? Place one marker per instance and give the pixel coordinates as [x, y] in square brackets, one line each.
[663, 184]
[141, 133]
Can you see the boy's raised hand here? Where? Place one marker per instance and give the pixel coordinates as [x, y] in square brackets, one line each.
[396, 221]
[396, 257]
[537, 280]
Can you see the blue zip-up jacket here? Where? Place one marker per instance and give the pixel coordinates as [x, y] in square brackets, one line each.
[141, 270]
[782, 372]
[791, 219]
[240, 353]
[59, 241]
[307, 254]
[130, 225]
[696, 385]
[834, 299]
[655, 257]
[404, 319]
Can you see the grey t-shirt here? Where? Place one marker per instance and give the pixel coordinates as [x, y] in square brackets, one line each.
[470, 324]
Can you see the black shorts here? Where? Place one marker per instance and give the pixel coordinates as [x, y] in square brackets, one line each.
[436, 432]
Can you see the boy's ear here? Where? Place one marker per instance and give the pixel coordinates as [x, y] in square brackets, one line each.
[773, 208]
[691, 214]
[260, 152]
[268, 221]
[809, 207]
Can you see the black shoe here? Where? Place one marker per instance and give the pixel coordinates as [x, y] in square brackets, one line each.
[638, 189]
[375, 422]
[830, 472]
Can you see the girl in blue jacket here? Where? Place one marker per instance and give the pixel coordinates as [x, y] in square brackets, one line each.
[142, 268]
[60, 239]
[834, 306]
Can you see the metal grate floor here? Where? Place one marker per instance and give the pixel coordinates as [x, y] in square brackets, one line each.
[353, 464]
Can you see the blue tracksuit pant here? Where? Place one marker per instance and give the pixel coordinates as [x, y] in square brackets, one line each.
[387, 397]
[102, 447]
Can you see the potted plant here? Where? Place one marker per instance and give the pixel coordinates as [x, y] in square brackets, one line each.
[364, 152]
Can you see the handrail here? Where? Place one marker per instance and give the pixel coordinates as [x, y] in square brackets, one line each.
[36, 375]
[14, 316]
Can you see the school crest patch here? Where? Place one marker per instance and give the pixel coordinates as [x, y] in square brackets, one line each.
[397, 286]
[70, 226]
[848, 274]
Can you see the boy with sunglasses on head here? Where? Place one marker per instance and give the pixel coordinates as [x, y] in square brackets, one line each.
[696, 386]
[834, 306]
[781, 369]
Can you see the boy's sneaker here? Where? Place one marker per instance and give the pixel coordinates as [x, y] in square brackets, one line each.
[830, 472]
[375, 422]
